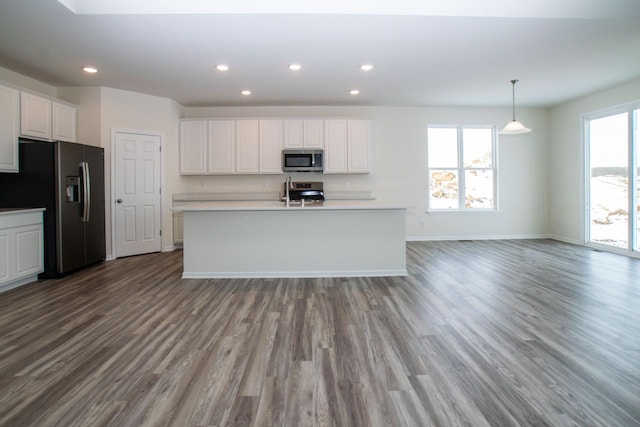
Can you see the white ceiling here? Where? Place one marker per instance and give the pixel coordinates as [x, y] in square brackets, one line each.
[444, 53]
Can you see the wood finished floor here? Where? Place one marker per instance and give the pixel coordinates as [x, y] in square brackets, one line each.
[493, 333]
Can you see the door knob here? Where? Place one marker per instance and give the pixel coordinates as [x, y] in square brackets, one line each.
[119, 200]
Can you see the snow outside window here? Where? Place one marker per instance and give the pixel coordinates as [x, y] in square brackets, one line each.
[462, 168]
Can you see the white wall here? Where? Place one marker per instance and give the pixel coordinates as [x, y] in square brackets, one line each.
[89, 118]
[136, 112]
[567, 202]
[399, 167]
[27, 83]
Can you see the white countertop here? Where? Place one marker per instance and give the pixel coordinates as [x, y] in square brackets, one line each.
[13, 211]
[184, 198]
[272, 205]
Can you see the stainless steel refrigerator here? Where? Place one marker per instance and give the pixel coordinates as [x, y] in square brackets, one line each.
[67, 179]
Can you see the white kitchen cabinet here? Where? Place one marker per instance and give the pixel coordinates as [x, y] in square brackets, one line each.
[270, 146]
[294, 133]
[21, 248]
[335, 146]
[64, 122]
[178, 228]
[42, 118]
[9, 128]
[35, 116]
[259, 146]
[300, 134]
[314, 134]
[221, 147]
[247, 146]
[347, 145]
[193, 147]
[358, 138]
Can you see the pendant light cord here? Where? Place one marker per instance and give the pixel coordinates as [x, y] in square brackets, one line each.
[513, 98]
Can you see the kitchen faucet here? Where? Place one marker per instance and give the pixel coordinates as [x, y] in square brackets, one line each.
[287, 184]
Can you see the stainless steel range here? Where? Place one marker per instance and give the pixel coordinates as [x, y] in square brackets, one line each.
[304, 191]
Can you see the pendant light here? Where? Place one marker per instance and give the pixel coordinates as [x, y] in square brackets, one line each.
[514, 127]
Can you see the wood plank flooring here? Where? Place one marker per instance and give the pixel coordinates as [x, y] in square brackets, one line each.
[487, 333]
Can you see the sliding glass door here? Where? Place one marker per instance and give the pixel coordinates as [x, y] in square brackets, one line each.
[636, 169]
[613, 195]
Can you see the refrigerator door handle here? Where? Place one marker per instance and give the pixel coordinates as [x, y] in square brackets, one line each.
[86, 191]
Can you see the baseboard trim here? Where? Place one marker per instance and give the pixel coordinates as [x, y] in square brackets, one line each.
[291, 274]
[488, 237]
[566, 240]
[19, 282]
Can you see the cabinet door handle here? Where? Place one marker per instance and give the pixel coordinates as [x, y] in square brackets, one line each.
[119, 200]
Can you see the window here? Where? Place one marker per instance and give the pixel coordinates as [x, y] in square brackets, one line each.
[461, 168]
[613, 179]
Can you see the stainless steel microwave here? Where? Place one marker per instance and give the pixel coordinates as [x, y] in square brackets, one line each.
[302, 160]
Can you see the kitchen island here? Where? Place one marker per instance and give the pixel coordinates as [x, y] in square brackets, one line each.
[254, 239]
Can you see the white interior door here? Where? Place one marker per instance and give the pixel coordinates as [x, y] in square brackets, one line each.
[137, 194]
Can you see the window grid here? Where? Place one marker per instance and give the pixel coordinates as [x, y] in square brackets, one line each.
[460, 170]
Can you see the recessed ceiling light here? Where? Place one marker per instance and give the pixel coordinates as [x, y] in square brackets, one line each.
[366, 67]
[246, 92]
[90, 70]
[295, 67]
[354, 92]
[222, 67]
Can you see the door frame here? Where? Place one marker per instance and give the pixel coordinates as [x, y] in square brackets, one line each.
[585, 137]
[114, 132]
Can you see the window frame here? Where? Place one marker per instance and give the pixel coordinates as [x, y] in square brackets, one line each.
[633, 240]
[461, 169]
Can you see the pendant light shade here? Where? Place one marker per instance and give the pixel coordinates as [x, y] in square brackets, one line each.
[514, 127]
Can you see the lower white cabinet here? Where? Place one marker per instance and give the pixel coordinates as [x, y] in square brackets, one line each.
[9, 128]
[178, 228]
[21, 247]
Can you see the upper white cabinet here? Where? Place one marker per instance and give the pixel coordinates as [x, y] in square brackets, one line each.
[207, 147]
[335, 146]
[254, 146]
[301, 134]
[314, 134]
[222, 144]
[9, 128]
[346, 146]
[248, 146]
[259, 146]
[42, 118]
[271, 144]
[358, 138]
[293, 133]
[35, 116]
[193, 147]
[64, 122]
